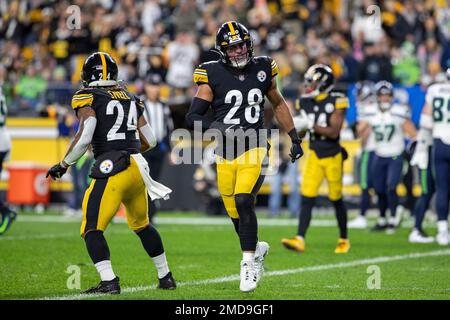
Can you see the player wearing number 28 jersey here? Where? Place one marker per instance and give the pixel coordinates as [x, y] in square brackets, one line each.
[111, 120]
[234, 88]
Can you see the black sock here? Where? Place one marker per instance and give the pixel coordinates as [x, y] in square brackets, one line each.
[96, 246]
[305, 215]
[382, 204]
[341, 217]
[248, 225]
[236, 225]
[151, 241]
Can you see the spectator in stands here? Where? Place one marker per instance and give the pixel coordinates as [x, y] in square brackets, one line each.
[376, 65]
[28, 90]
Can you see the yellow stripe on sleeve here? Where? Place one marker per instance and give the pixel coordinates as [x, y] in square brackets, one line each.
[342, 103]
[274, 68]
[82, 100]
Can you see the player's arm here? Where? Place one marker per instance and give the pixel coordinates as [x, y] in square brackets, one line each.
[199, 106]
[424, 139]
[80, 143]
[336, 121]
[146, 135]
[409, 129]
[284, 118]
[363, 130]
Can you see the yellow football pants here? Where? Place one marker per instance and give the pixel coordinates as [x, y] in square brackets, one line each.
[317, 169]
[103, 197]
[241, 175]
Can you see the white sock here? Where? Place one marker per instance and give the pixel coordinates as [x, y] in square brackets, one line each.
[161, 265]
[382, 221]
[299, 237]
[105, 270]
[442, 226]
[248, 256]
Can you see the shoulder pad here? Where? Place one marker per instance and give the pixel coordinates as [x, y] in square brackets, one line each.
[82, 98]
[269, 60]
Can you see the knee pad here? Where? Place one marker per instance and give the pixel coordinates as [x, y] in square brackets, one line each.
[244, 200]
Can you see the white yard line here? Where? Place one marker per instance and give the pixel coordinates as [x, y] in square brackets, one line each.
[332, 266]
[203, 221]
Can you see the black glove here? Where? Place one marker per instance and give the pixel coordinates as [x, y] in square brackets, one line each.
[296, 149]
[56, 172]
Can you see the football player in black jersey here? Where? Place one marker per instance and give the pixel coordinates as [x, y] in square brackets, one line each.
[111, 121]
[322, 113]
[234, 88]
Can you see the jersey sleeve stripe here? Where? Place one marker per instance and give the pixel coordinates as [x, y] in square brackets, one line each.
[341, 103]
[274, 68]
[82, 102]
[201, 73]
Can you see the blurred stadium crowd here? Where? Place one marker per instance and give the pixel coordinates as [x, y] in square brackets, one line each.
[41, 57]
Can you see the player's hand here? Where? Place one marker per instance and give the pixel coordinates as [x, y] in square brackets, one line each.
[56, 172]
[296, 151]
[302, 122]
[420, 159]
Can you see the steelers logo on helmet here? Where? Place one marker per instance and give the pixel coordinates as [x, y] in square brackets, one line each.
[106, 166]
[261, 76]
[234, 44]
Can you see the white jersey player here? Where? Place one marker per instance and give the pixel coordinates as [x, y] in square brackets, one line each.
[365, 98]
[7, 215]
[390, 123]
[435, 130]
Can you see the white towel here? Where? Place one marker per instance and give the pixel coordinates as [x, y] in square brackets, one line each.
[155, 189]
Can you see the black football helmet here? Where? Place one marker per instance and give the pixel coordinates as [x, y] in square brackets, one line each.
[99, 69]
[319, 79]
[232, 33]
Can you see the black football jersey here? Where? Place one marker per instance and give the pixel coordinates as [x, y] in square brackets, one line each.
[238, 93]
[321, 109]
[117, 111]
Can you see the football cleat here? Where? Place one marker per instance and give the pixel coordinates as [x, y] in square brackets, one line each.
[358, 223]
[8, 216]
[419, 236]
[343, 246]
[379, 227]
[249, 279]
[390, 228]
[262, 250]
[105, 287]
[296, 244]
[167, 283]
[443, 238]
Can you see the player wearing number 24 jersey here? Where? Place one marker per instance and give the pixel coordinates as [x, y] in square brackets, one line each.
[111, 120]
[234, 88]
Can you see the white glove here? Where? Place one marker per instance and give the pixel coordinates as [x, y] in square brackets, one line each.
[420, 156]
[303, 122]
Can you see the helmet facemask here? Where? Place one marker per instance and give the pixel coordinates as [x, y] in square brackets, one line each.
[238, 55]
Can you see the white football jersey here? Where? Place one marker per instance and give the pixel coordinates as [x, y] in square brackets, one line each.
[438, 97]
[5, 139]
[366, 110]
[387, 128]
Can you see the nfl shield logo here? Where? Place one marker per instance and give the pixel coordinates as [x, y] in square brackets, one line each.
[241, 77]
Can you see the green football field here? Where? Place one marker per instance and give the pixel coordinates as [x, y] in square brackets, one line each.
[204, 255]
